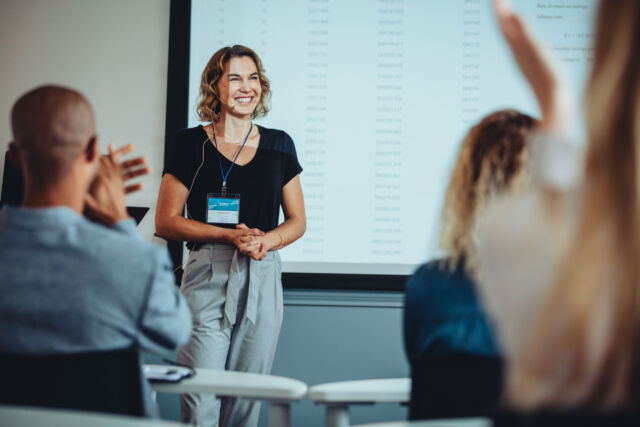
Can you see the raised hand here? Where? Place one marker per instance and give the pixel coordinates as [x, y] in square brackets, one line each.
[554, 96]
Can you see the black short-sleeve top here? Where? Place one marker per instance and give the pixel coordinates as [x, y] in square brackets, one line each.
[194, 162]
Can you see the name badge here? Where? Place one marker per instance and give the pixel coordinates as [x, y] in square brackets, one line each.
[223, 208]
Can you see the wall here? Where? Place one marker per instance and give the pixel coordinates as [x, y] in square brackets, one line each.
[115, 52]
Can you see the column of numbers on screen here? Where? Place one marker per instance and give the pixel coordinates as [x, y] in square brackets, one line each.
[315, 124]
[471, 58]
[386, 234]
[219, 32]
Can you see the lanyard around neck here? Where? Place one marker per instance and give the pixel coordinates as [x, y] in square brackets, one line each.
[222, 174]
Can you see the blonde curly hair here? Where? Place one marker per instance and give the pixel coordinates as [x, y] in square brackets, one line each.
[489, 162]
[209, 100]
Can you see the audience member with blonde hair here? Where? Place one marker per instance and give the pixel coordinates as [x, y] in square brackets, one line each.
[558, 262]
[442, 314]
[456, 368]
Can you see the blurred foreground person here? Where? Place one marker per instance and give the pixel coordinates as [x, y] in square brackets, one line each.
[558, 263]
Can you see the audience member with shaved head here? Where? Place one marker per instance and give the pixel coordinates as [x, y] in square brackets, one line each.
[76, 275]
[51, 127]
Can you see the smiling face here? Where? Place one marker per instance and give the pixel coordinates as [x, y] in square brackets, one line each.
[239, 87]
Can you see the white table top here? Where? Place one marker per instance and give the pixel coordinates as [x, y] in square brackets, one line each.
[241, 384]
[461, 422]
[16, 416]
[379, 390]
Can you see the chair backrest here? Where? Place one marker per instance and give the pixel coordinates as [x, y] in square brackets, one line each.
[455, 386]
[106, 381]
[563, 418]
[12, 183]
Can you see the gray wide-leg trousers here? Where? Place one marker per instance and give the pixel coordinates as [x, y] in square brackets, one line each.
[236, 304]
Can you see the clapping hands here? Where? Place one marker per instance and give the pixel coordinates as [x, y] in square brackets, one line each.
[105, 201]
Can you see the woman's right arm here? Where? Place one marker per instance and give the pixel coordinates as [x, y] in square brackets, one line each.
[170, 223]
[554, 95]
[522, 236]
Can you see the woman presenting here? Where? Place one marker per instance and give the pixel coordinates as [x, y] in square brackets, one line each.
[233, 177]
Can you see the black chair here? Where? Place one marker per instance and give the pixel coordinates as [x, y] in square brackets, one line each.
[455, 386]
[564, 418]
[12, 183]
[106, 381]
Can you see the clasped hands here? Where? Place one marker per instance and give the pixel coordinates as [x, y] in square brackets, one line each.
[251, 241]
[105, 202]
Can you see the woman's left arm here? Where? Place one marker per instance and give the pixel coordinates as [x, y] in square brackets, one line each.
[295, 220]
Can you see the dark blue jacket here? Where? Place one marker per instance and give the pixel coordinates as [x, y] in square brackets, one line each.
[443, 315]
